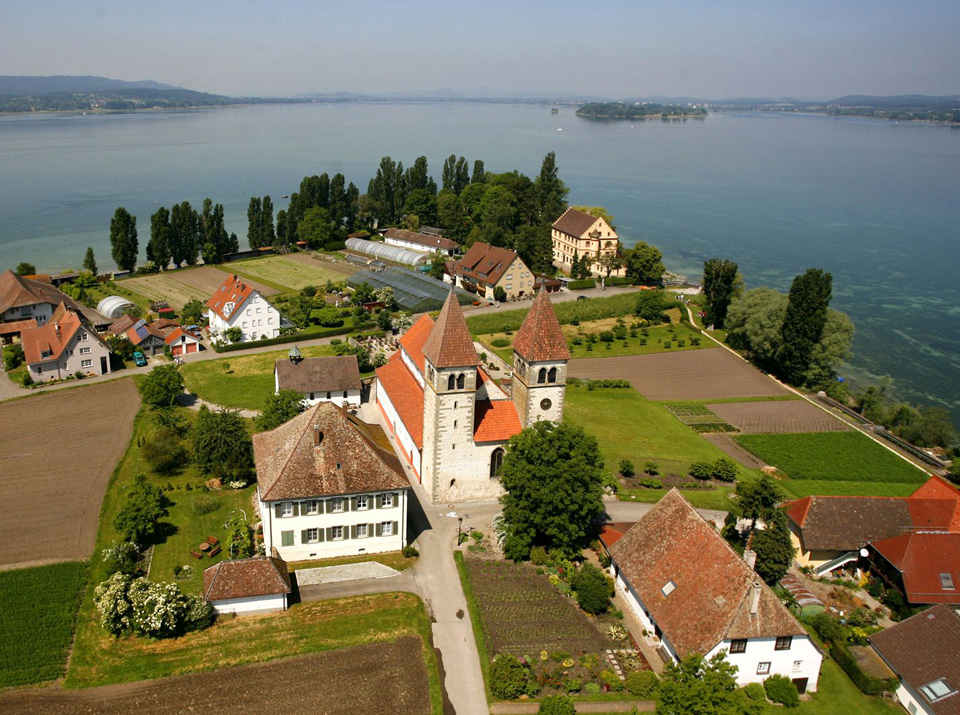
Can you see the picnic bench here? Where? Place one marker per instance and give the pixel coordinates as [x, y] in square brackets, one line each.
[195, 555]
[216, 550]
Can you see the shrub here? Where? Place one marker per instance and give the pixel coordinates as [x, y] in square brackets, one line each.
[409, 552]
[163, 451]
[611, 680]
[582, 284]
[651, 483]
[573, 685]
[592, 589]
[205, 505]
[725, 469]
[591, 688]
[121, 558]
[508, 677]
[500, 342]
[557, 705]
[156, 610]
[618, 281]
[867, 683]
[780, 689]
[701, 470]
[144, 505]
[651, 468]
[538, 556]
[606, 336]
[642, 683]
[826, 627]
[626, 468]
[13, 356]
[755, 692]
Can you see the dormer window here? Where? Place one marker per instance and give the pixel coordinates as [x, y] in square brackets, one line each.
[228, 308]
[668, 588]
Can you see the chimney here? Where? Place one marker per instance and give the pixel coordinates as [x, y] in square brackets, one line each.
[755, 598]
[750, 557]
[317, 436]
[56, 327]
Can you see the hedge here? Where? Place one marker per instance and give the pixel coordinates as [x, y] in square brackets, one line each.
[582, 285]
[618, 281]
[868, 684]
[296, 337]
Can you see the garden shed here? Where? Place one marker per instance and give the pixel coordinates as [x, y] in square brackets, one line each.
[415, 292]
[257, 585]
[389, 253]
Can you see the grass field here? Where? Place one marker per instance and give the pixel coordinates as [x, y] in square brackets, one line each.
[179, 287]
[285, 273]
[38, 612]
[837, 695]
[831, 456]
[240, 382]
[567, 312]
[393, 559]
[800, 488]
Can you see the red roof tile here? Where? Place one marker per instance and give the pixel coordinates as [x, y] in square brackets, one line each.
[612, 533]
[495, 421]
[574, 222]
[413, 340]
[939, 488]
[450, 344]
[797, 510]
[485, 262]
[179, 332]
[234, 289]
[540, 337]
[246, 578]
[48, 339]
[921, 558]
[405, 395]
[17, 326]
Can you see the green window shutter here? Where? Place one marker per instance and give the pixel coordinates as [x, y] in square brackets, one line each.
[276, 510]
[329, 531]
[286, 538]
[379, 530]
[349, 504]
[303, 536]
[371, 529]
[353, 531]
[396, 526]
[296, 508]
[327, 506]
[378, 502]
[320, 534]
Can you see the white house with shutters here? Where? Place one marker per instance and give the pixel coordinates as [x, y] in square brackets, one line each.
[690, 589]
[237, 304]
[329, 485]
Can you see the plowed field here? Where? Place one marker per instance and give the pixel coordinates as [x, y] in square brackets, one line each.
[778, 417]
[178, 287]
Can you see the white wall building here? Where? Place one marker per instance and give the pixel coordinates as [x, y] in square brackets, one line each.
[247, 586]
[329, 485]
[64, 346]
[420, 242]
[322, 379]
[689, 588]
[236, 304]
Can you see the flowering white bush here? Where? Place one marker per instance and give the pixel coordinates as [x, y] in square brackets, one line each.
[236, 485]
[157, 610]
[110, 598]
[122, 557]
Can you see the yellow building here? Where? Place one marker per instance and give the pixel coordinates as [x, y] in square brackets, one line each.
[577, 233]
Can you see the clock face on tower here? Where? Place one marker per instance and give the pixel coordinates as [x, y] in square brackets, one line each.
[545, 403]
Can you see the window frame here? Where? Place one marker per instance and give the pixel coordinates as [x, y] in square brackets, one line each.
[386, 528]
[366, 531]
[313, 507]
[783, 643]
[316, 537]
[366, 502]
[763, 667]
[738, 645]
[286, 509]
[333, 533]
[386, 500]
[334, 509]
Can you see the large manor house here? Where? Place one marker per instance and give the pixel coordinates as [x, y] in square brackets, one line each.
[450, 420]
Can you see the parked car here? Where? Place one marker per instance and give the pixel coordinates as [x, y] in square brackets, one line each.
[581, 297]
[139, 359]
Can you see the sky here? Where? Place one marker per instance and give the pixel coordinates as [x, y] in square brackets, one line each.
[712, 49]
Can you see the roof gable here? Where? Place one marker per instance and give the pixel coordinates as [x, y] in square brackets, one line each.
[921, 558]
[495, 421]
[47, 342]
[319, 374]
[324, 452]
[486, 262]
[577, 223]
[449, 343]
[246, 578]
[229, 298]
[710, 600]
[415, 338]
[540, 337]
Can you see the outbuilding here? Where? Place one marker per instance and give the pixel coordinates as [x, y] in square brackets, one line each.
[257, 585]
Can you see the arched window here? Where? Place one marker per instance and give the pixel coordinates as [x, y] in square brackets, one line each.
[451, 382]
[461, 381]
[542, 376]
[496, 461]
[552, 375]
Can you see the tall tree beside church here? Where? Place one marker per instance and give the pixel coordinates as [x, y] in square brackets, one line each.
[551, 192]
[123, 239]
[158, 249]
[461, 175]
[418, 177]
[89, 262]
[719, 279]
[185, 240]
[479, 175]
[804, 321]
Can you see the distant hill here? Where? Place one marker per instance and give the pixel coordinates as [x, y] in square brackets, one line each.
[902, 101]
[25, 85]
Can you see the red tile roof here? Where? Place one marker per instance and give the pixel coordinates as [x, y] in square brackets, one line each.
[612, 533]
[713, 587]
[925, 648]
[18, 291]
[234, 290]
[485, 262]
[540, 337]
[574, 222]
[920, 558]
[449, 343]
[179, 332]
[495, 421]
[414, 339]
[324, 452]
[17, 326]
[939, 488]
[246, 578]
[405, 395]
[319, 374]
[137, 333]
[47, 338]
[121, 325]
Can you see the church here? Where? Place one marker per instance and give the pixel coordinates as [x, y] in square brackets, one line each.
[451, 421]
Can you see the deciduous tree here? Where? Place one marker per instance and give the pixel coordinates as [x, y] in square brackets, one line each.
[123, 239]
[281, 408]
[719, 278]
[644, 263]
[221, 446]
[773, 547]
[804, 322]
[161, 386]
[26, 269]
[142, 508]
[697, 686]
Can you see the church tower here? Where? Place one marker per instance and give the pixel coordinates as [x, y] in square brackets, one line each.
[449, 402]
[540, 356]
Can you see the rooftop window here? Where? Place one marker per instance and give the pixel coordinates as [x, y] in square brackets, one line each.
[668, 588]
[937, 690]
[946, 582]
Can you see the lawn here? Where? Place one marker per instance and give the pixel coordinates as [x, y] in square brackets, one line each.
[285, 273]
[627, 426]
[38, 613]
[831, 456]
[567, 312]
[393, 559]
[240, 382]
[837, 695]
[800, 488]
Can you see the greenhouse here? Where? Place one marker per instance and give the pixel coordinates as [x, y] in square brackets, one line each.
[389, 253]
[415, 292]
[113, 306]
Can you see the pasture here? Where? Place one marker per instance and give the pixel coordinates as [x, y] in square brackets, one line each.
[179, 287]
[57, 452]
[39, 611]
[290, 272]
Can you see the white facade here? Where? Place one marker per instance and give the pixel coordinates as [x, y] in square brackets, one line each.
[255, 317]
[337, 397]
[252, 604]
[912, 701]
[418, 247]
[40, 312]
[335, 526]
[795, 657]
[85, 353]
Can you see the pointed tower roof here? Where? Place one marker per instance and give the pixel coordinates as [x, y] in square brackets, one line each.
[450, 344]
[540, 337]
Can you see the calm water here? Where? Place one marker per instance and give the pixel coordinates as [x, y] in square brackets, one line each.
[875, 203]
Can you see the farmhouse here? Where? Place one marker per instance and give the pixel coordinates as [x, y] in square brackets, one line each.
[64, 345]
[27, 299]
[329, 485]
[924, 652]
[687, 586]
[909, 542]
[450, 419]
[578, 234]
[236, 304]
[321, 379]
[485, 268]
[146, 337]
[421, 242]
[182, 341]
[257, 585]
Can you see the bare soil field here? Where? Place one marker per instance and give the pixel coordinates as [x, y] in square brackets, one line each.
[725, 443]
[778, 417]
[377, 677]
[292, 271]
[57, 451]
[178, 287]
[692, 375]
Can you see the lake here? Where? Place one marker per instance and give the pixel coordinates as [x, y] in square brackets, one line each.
[873, 202]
